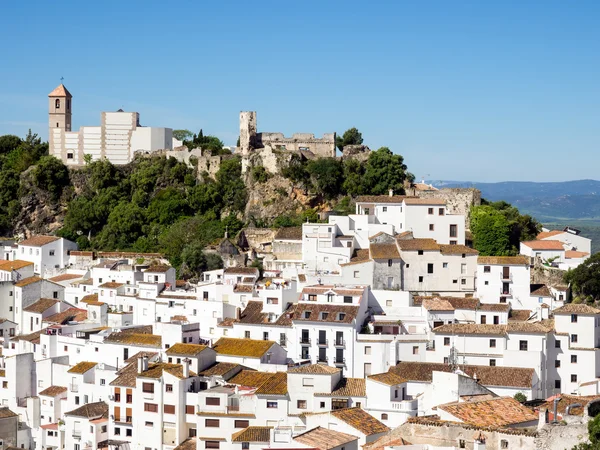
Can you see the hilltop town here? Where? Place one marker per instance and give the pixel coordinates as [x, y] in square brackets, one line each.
[161, 295]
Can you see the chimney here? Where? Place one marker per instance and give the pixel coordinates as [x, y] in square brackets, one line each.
[542, 418]
[144, 363]
[555, 410]
[186, 367]
[140, 364]
[391, 192]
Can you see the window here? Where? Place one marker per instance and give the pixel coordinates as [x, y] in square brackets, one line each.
[430, 268]
[415, 349]
[265, 335]
[301, 404]
[492, 343]
[348, 299]
[573, 318]
[523, 346]
[341, 316]
[117, 431]
[556, 384]
[272, 300]
[492, 363]
[390, 262]
[446, 341]
[463, 281]
[308, 382]
[211, 423]
[573, 359]
[241, 423]
[367, 350]
[150, 407]
[483, 320]
[453, 231]
[356, 274]
[384, 209]
[431, 227]
[213, 401]
[271, 405]
[430, 211]
[51, 253]
[445, 265]
[496, 320]
[148, 387]
[574, 338]
[169, 388]
[245, 445]
[487, 269]
[462, 443]
[211, 444]
[420, 253]
[384, 416]
[573, 378]
[57, 103]
[169, 409]
[557, 363]
[128, 432]
[556, 344]
[247, 334]
[503, 443]
[421, 279]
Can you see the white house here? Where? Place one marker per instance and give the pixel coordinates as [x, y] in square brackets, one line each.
[47, 253]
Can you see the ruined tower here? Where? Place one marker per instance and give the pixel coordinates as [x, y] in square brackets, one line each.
[247, 130]
[59, 117]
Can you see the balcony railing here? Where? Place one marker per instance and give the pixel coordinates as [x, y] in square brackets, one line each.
[506, 292]
[340, 361]
[323, 359]
[304, 356]
[405, 405]
[304, 340]
[74, 387]
[323, 342]
[505, 277]
[339, 343]
[77, 434]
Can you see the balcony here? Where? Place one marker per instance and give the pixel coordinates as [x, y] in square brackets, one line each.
[506, 293]
[305, 340]
[339, 343]
[233, 408]
[74, 387]
[323, 359]
[405, 405]
[505, 277]
[282, 343]
[323, 342]
[340, 361]
[77, 434]
[304, 357]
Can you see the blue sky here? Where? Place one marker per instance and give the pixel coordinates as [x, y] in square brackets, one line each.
[483, 91]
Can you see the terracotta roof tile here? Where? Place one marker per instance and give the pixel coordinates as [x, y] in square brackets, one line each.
[457, 250]
[289, 234]
[424, 201]
[253, 313]
[329, 313]
[90, 410]
[381, 198]
[267, 383]
[576, 308]
[65, 277]
[38, 241]
[436, 304]
[360, 256]
[324, 439]
[185, 349]
[252, 434]
[544, 245]
[360, 420]
[494, 307]
[520, 315]
[504, 260]
[90, 298]
[417, 244]
[220, 369]
[243, 288]
[53, 391]
[573, 254]
[135, 339]
[27, 281]
[566, 400]
[241, 271]
[41, 305]
[82, 367]
[17, 264]
[155, 370]
[496, 413]
[126, 376]
[488, 376]
[60, 91]
[69, 315]
[252, 348]
[347, 387]
[227, 322]
[34, 337]
[387, 378]
[315, 369]
[5, 412]
[539, 290]
[111, 285]
[547, 234]
[188, 444]
[158, 268]
[384, 251]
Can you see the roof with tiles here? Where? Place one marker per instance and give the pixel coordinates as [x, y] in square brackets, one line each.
[220, 369]
[90, 298]
[387, 378]
[289, 234]
[126, 377]
[527, 327]
[566, 400]
[321, 289]
[252, 313]
[5, 413]
[90, 410]
[574, 254]
[82, 367]
[69, 315]
[60, 91]
[504, 260]
[539, 290]
[496, 413]
[188, 444]
[227, 322]
[53, 391]
[457, 250]
[548, 234]
[324, 439]
[243, 288]
[424, 201]
[158, 268]
[135, 357]
[241, 271]
[155, 370]
[347, 387]
[252, 434]
[360, 256]
[135, 339]
[315, 369]
[437, 304]
[251, 378]
[381, 198]
[27, 281]
[544, 245]
[519, 315]
[267, 383]
[65, 277]
[34, 337]
[111, 285]
[471, 328]
[494, 307]
[487, 375]
[185, 349]
[425, 244]
[252, 348]
[325, 312]
[17, 264]
[41, 305]
[360, 420]
[39, 241]
[384, 251]
[576, 308]
[463, 302]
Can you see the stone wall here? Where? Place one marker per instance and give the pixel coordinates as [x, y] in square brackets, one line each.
[459, 200]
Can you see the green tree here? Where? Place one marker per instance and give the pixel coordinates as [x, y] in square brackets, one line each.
[124, 227]
[8, 143]
[520, 397]
[182, 135]
[51, 175]
[354, 171]
[167, 206]
[296, 172]
[326, 176]
[350, 137]
[230, 184]
[260, 174]
[593, 435]
[384, 171]
[585, 278]
[491, 231]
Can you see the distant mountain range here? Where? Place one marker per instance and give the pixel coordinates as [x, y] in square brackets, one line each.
[554, 202]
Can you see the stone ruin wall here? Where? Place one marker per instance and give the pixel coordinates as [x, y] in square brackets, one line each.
[323, 147]
[459, 200]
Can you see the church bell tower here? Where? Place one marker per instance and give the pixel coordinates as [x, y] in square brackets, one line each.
[59, 117]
